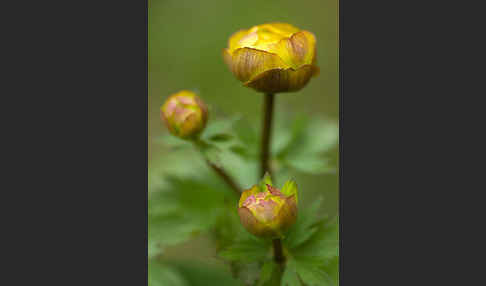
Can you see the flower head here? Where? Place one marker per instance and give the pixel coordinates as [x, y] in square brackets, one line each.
[271, 58]
[185, 114]
[269, 212]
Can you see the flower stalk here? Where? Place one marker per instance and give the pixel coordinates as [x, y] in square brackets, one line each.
[268, 107]
[266, 134]
[226, 178]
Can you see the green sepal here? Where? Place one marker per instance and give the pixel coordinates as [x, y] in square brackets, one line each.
[289, 189]
[266, 180]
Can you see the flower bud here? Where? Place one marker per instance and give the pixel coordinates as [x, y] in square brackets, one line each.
[272, 58]
[267, 213]
[185, 114]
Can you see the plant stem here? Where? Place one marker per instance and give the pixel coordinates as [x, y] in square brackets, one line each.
[266, 135]
[226, 178]
[200, 145]
[279, 257]
[278, 252]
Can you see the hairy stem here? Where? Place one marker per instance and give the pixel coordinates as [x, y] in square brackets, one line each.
[266, 135]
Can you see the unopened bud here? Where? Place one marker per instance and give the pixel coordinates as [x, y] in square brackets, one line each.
[184, 114]
[268, 212]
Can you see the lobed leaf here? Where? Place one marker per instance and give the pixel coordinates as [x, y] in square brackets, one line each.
[305, 226]
[246, 251]
[163, 275]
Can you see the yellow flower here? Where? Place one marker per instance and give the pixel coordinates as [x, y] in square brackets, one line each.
[272, 58]
[184, 114]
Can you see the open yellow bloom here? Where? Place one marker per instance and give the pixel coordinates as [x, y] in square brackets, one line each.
[272, 58]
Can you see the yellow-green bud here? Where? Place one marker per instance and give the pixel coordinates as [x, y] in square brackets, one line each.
[184, 114]
[268, 213]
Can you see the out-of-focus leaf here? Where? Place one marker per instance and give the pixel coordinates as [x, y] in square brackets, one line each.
[332, 268]
[312, 272]
[221, 137]
[220, 126]
[243, 170]
[246, 250]
[204, 275]
[309, 141]
[172, 141]
[281, 140]
[266, 272]
[290, 277]
[164, 275]
[312, 164]
[245, 133]
[185, 207]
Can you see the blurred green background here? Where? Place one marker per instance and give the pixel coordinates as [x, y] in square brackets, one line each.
[185, 41]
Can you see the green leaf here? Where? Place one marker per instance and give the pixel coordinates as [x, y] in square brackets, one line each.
[290, 277]
[290, 188]
[246, 251]
[183, 208]
[210, 151]
[310, 163]
[315, 259]
[172, 141]
[268, 269]
[312, 272]
[332, 268]
[163, 275]
[220, 126]
[305, 226]
[221, 137]
[281, 140]
[323, 244]
[198, 274]
[245, 132]
[310, 140]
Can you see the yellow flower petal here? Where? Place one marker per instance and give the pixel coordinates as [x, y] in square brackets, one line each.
[296, 51]
[282, 80]
[247, 63]
[283, 29]
[233, 42]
